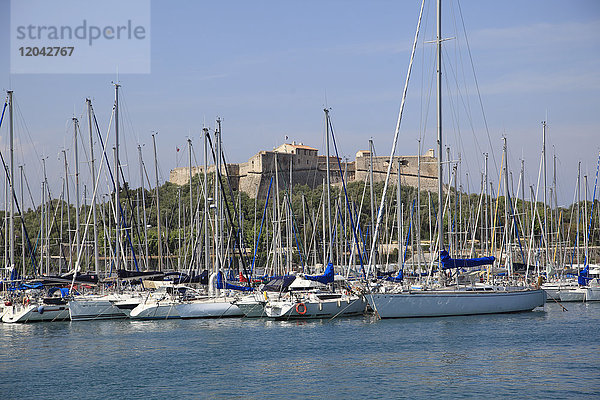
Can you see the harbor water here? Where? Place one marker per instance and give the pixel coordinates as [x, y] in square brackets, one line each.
[543, 354]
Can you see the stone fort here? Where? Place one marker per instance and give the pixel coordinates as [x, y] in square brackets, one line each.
[302, 165]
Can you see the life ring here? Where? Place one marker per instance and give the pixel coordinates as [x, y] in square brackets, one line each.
[304, 309]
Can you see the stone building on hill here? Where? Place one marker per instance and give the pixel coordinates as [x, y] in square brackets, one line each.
[303, 165]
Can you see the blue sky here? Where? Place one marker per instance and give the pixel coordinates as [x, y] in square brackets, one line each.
[269, 67]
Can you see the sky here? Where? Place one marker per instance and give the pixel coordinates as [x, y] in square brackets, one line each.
[269, 68]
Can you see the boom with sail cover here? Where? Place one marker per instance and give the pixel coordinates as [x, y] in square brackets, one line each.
[448, 262]
[326, 278]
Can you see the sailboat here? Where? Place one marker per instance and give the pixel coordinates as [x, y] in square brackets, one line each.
[309, 297]
[400, 302]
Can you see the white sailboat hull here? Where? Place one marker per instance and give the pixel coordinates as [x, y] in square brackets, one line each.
[127, 303]
[35, 313]
[592, 293]
[453, 303]
[341, 307]
[572, 295]
[94, 308]
[155, 310]
[219, 307]
[252, 308]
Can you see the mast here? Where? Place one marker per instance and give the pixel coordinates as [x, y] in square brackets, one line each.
[144, 205]
[487, 201]
[217, 263]
[6, 239]
[439, 130]
[399, 215]
[22, 225]
[206, 215]
[42, 230]
[450, 245]
[93, 173]
[191, 195]
[277, 242]
[578, 206]
[418, 225]
[68, 209]
[586, 236]
[47, 215]
[179, 227]
[12, 182]
[523, 196]
[329, 186]
[506, 232]
[371, 191]
[117, 184]
[77, 205]
[157, 205]
[545, 230]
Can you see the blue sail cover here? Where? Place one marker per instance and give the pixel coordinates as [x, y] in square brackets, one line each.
[25, 286]
[583, 277]
[225, 285]
[326, 278]
[397, 278]
[448, 262]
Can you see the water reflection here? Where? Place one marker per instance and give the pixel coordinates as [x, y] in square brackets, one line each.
[513, 355]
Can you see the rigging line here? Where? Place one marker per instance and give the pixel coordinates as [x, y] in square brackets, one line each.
[14, 195]
[455, 112]
[431, 81]
[21, 118]
[29, 191]
[346, 196]
[288, 201]
[477, 86]
[395, 142]
[126, 119]
[228, 213]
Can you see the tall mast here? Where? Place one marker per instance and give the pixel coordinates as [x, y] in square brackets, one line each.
[523, 194]
[157, 205]
[93, 173]
[179, 227]
[206, 215]
[545, 230]
[373, 222]
[418, 225]
[117, 184]
[585, 236]
[328, 186]
[439, 130]
[6, 217]
[47, 214]
[506, 216]
[191, 195]
[450, 246]
[221, 196]
[144, 205]
[77, 205]
[578, 206]
[22, 225]
[12, 181]
[68, 208]
[399, 215]
[217, 204]
[43, 200]
[487, 203]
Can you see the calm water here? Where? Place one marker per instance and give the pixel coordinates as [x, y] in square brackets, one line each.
[542, 354]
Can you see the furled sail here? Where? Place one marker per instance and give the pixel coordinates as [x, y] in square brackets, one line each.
[448, 262]
[326, 278]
